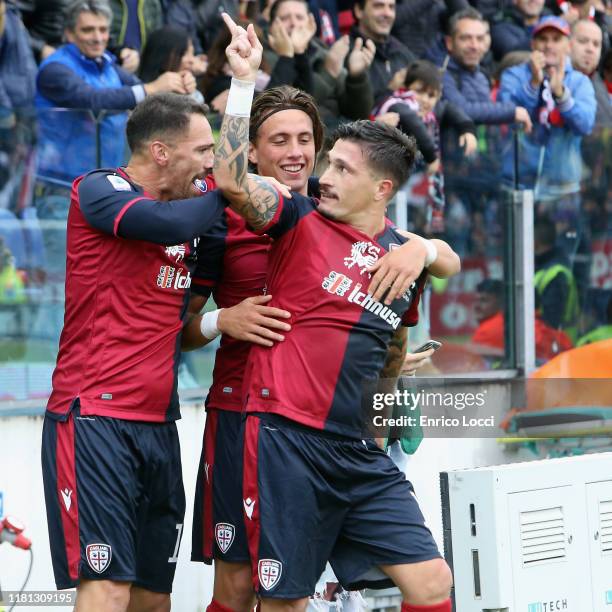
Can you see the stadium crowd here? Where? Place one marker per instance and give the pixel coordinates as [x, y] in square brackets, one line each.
[456, 75]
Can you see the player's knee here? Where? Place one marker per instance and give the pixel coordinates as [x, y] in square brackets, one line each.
[435, 584]
[102, 596]
[142, 600]
[233, 586]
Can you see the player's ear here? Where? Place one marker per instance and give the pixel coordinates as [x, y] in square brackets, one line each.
[252, 154]
[384, 190]
[159, 152]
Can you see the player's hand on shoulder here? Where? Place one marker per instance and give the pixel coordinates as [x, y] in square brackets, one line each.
[397, 270]
[283, 189]
[252, 321]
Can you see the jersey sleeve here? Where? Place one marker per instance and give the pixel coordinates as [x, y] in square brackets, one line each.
[114, 206]
[288, 214]
[210, 255]
[411, 316]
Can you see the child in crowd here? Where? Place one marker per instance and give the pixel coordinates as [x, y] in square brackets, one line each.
[423, 115]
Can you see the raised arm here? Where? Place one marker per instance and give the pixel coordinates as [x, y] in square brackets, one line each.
[250, 196]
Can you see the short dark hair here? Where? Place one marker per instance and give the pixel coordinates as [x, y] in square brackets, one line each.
[164, 115]
[278, 3]
[281, 98]
[388, 151]
[426, 72]
[163, 52]
[466, 13]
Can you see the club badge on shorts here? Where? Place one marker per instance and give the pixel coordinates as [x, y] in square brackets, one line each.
[269, 573]
[98, 556]
[224, 534]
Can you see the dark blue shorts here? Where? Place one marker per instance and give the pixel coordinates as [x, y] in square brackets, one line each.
[115, 500]
[218, 524]
[310, 497]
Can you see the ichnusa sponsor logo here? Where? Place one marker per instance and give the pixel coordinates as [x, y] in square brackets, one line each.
[172, 278]
[339, 284]
[547, 606]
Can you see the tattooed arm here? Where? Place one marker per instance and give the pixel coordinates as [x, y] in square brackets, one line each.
[250, 196]
[396, 354]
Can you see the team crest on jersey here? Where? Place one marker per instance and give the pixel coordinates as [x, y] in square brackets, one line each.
[177, 251]
[269, 571]
[98, 556]
[363, 255]
[336, 283]
[224, 534]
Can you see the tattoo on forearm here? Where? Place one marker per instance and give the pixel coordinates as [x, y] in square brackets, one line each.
[396, 354]
[255, 199]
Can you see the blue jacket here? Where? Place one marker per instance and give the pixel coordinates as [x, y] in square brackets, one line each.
[470, 91]
[67, 139]
[549, 157]
[17, 65]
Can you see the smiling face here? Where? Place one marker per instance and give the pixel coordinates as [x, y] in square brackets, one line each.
[349, 189]
[190, 157]
[376, 18]
[469, 42]
[90, 34]
[285, 149]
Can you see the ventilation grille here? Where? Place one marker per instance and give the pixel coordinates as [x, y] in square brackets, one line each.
[543, 535]
[605, 526]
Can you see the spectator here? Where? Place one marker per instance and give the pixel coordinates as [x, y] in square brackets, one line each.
[17, 65]
[554, 282]
[488, 339]
[44, 20]
[601, 332]
[375, 19]
[132, 22]
[83, 75]
[215, 83]
[418, 22]
[490, 8]
[170, 50]
[340, 82]
[422, 115]
[11, 283]
[562, 105]
[511, 31]
[465, 84]
[585, 45]
[291, 30]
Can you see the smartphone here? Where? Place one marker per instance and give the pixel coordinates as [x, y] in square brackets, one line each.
[430, 344]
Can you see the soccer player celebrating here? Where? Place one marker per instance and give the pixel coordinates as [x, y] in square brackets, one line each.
[110, 451]
[312, 488]
[286, 133]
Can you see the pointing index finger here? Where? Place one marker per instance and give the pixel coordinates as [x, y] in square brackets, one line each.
[229, 22]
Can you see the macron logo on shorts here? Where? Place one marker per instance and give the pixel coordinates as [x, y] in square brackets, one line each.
[249, 506]
[98, 556]
[66, 496]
